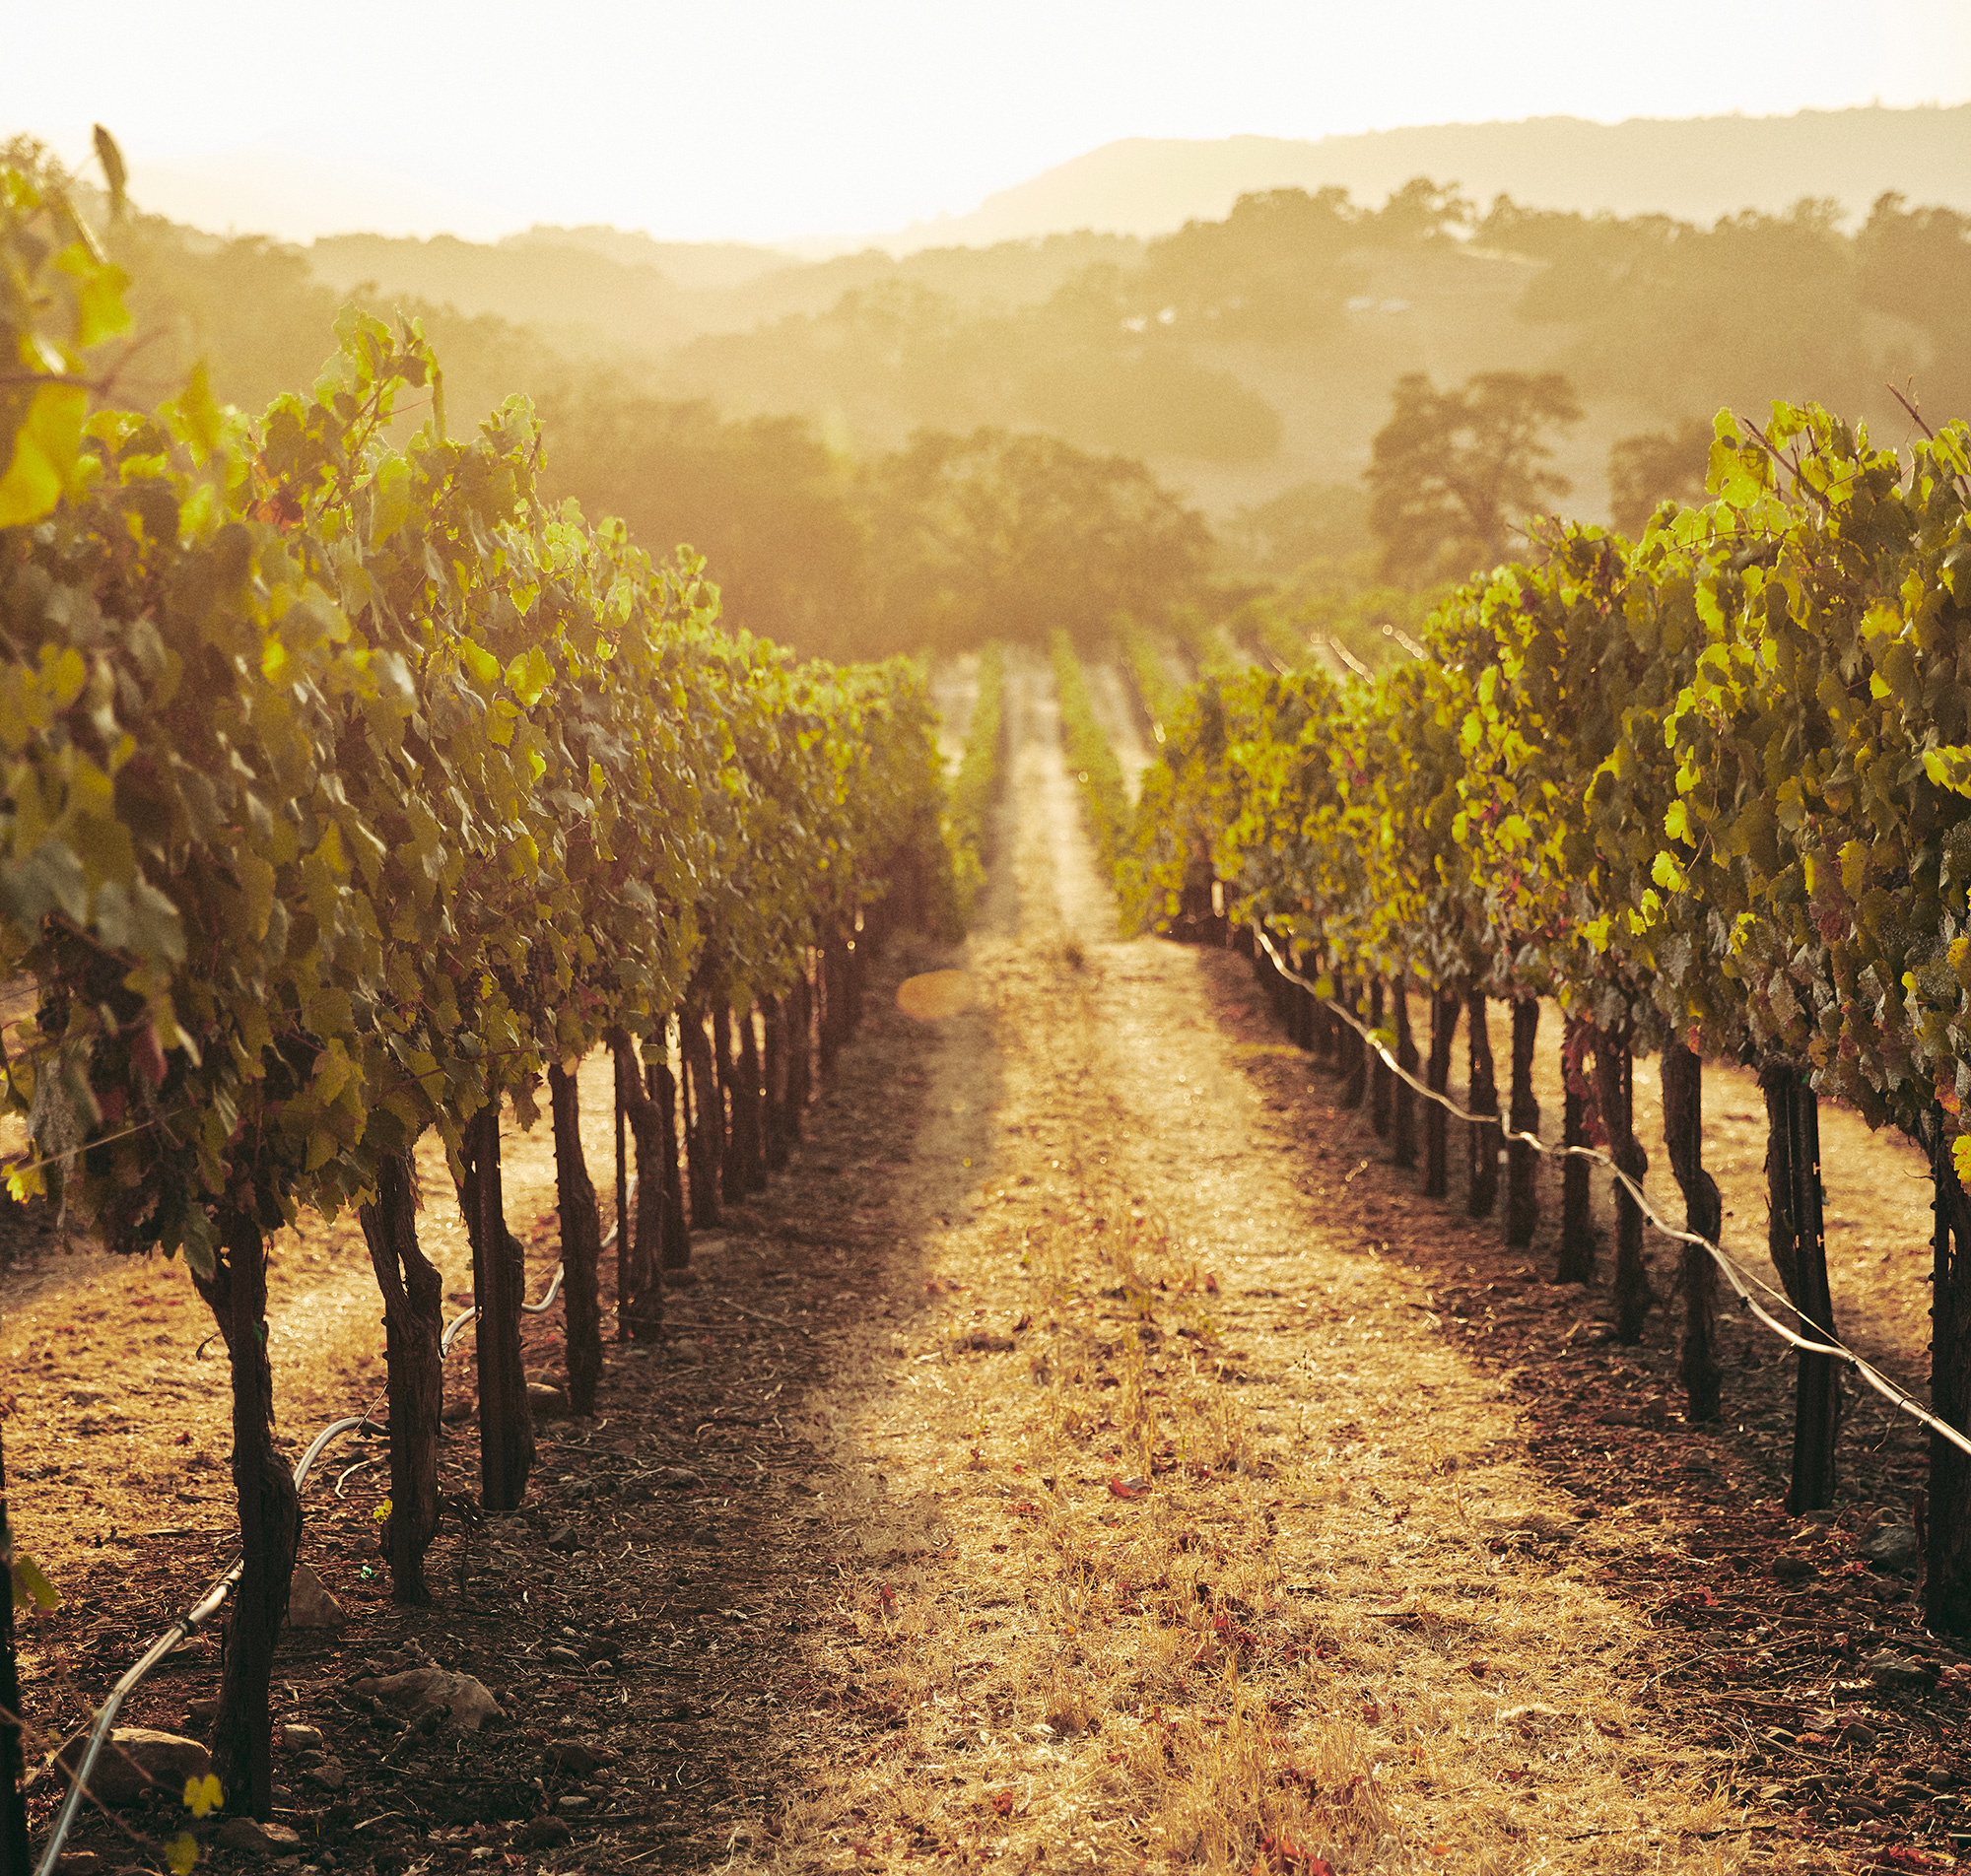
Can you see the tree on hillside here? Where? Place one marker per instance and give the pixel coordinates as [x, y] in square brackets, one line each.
[1916, 265]
[1657, 466]
[762, 499]
[1323, 523]
[997, 535]
[1454, 473]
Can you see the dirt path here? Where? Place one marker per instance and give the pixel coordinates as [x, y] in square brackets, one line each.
[1086, 1456]
[1235, 1558]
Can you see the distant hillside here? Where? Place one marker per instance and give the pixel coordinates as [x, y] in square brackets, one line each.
[603, 286]
[1695, 169]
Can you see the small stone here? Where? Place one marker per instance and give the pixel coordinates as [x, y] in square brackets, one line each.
[455, 1410]
[300, 1738]
[576, 1756]
[201, 1713]
[134, 1762]
[1888, 1669]
[1855, 1733]
[430, 1690]
[309, 1605]
[1892, 1548]
[331, 1776]
[567, 1540]
[1790, 1567]
[256, 1838]
[544, 1832]
[547, 1400]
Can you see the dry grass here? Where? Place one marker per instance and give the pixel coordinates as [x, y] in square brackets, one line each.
[1228, 1564]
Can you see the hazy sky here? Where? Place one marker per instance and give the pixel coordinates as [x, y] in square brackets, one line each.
[770, 119]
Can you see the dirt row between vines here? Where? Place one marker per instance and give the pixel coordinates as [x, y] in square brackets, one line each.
[1088, 1455]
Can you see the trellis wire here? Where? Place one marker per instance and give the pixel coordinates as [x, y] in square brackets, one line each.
[1743, 1281]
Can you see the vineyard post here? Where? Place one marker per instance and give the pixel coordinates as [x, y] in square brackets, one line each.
[270, 1519]
[1946, 1579]
[1615, 1095]
[14, 1859]
[1443, 1008]
[414, 1359]
[673, 1228]
[580, 1241]
[1379, 1078]
[1404, 1140]
[1798, 1239]
[1577, 1223]
[498, 1271]
[1704, 1214]
[1522, 1159]
[1481, 1183]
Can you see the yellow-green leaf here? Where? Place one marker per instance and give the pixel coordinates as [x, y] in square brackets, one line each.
[42, 459]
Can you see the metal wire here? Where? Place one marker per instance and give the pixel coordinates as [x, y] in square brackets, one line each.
[1743, 1281]
[213, 1599]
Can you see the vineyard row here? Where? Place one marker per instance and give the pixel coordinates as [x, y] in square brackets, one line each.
[348, 791]
[1710, 790]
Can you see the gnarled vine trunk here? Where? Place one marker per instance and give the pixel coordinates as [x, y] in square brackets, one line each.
[1355, 1088]
[1947, 1583]
[1615, 1094]
[773, 1074]
[731, 1159]
[674, 1227]
[414, 1357]
[1521, 1160]
[1379, 1078]
[639, 1307]
[800, 1050]
[1443, 1008]
[748, 1133]
[499, 1279]
[701, 1101]
[1798, 1239]
[270, 1520]
[1577, 1223]
[580, 1242]
[1481, 1174]
[1403, 1139]
[1704, 1214]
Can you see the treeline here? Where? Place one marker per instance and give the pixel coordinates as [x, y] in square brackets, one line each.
[879, 426]
[1711, 790]
[354, 789]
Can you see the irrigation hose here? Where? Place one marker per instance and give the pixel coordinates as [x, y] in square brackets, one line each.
[209, 1605]
[1743, 1281]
